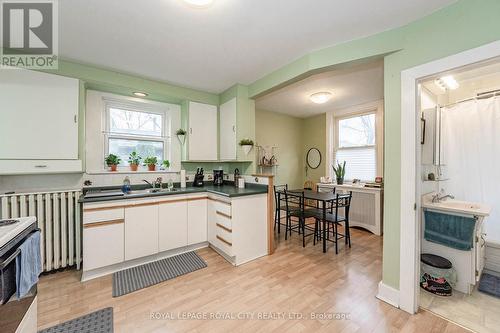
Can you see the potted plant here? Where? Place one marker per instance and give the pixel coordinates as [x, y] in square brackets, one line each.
[247, 145]
[112, 161]
[181, 135]
[134, 160]
[151, 161]
[165, 164]
[339, 172]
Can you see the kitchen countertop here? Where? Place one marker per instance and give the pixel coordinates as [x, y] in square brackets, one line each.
[227, 190]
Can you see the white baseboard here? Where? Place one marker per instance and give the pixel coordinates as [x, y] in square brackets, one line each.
[388, 294]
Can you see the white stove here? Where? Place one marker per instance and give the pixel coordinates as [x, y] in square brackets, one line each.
[11, 230]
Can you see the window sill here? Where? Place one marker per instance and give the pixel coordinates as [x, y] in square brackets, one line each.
[121, 172]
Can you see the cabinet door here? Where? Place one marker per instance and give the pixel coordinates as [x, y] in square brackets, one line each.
[172, 225]
[202, 132]
[211, 221]
[141, 231]
[197, 221]
[102, 244]
[39, 116]
[227, 130]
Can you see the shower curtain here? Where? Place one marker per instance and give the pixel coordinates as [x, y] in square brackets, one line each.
[470, 138]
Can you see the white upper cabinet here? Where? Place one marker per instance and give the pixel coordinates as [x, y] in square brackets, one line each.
[227, 128]
[202, 132]
[39, 117]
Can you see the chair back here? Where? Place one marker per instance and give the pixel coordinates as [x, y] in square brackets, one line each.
[279, 189]
[294, 200]
[343, 200]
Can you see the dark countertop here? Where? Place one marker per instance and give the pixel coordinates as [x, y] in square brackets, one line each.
[227, 190]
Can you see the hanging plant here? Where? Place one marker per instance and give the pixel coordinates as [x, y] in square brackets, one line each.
[246, 145]
[181, 135]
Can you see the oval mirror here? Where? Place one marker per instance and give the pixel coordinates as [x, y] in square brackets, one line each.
[313, 158]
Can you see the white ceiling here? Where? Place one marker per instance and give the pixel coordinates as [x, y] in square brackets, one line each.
[349, 86]
[233, 41]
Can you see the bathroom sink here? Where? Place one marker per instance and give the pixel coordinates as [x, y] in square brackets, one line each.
[460, 205]
[456, 206]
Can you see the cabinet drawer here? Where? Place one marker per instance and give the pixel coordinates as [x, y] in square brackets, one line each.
[222, 244]
[111, 214]
[103, 245]
[19, 167]
[223, 220]
[223, 232]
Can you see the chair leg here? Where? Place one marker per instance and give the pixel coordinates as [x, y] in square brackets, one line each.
[279, 220]
[303, 233]
[336, 238]
[348, 231]
[286, 226]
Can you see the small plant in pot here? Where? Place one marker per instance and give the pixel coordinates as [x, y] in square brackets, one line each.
[181, 135]
[151, 162]
[339, 172]
[165, 164]
[134, 160]
[247, 145]
[112, 161]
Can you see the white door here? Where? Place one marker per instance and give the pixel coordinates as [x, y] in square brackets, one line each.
[202, 139]
[141, 231]
[38, 116]
[197, 221]
[227, 130]
[172, 225]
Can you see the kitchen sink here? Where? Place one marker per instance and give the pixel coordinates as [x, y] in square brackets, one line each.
[152, 191]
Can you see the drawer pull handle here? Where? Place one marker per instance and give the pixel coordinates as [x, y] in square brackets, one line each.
[103, 223]
[224, 241]
[40, 166]
[224, 228]
[223, 214]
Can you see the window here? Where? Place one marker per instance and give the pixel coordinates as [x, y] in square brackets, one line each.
[133, 127]
[356, 138]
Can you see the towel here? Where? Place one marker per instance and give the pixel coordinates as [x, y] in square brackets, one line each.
[450, 230]
[28, 264]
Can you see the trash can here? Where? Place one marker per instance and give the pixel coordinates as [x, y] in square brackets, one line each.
[437, 274]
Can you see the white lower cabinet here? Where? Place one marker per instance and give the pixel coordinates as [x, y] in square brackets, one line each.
[141, 231]
[172, 225]
[197, 220]
[102, 245]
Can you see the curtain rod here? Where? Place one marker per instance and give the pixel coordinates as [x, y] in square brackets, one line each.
[484, 95]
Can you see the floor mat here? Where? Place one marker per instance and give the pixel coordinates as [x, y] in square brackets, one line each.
[96, 322]
[135, 278]
[490, 284]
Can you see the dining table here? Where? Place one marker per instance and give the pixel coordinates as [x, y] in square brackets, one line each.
[323, 198]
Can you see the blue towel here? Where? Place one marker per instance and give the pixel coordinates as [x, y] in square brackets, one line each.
[28, 264]
[450, 230]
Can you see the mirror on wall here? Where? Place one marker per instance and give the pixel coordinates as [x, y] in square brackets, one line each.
[430, 139]
[313, 158]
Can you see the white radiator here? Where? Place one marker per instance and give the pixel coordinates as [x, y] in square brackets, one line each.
[58, 216]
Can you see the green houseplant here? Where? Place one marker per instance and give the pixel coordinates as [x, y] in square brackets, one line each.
[165, 164]
[246, 145]
[339, 172]
[151, 162]
[112, 161]
[134, 160]
[181, 135]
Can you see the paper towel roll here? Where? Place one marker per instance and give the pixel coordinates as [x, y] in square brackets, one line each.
[183, 178]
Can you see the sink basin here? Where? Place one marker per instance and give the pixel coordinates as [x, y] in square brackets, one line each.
[456, 206]
[460, 205]
[152, 190]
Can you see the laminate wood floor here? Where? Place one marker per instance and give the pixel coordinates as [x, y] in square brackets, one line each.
[295, 290]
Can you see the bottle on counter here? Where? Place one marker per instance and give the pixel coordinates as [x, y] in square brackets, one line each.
[126, 185]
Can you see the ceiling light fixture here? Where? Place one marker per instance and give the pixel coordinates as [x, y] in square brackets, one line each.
[447, 82]
[199, 3]
[140, 94]
[321, 97]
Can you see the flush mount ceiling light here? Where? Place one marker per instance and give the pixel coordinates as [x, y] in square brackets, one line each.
[140, 94]
[199, 3]
[447, 82]
[321, 97]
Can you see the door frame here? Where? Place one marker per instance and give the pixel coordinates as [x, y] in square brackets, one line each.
[410, 188]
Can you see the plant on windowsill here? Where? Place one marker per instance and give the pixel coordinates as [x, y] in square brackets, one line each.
[246, 145]
[134, 160]
[181, 135]
[165, 164]
[339, 172]
[151, 161]
[112, 161]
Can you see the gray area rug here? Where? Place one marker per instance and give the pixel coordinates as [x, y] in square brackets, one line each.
[96, 322]
[490, 284]
[135, 278]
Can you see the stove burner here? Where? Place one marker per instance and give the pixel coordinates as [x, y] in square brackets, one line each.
[7, 222]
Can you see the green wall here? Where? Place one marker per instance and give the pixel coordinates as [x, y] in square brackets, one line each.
[314, 137]
[461, 26]
[286, 133]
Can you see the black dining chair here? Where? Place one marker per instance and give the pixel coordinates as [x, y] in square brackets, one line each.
[338, 214]
[279, 204]
[295, 207]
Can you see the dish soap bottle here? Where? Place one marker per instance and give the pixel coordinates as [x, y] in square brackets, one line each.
[126, 185]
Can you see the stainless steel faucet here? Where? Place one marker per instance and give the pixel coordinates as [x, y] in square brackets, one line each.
[438, 197]
[150, 184]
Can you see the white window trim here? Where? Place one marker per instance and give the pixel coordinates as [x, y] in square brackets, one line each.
[138, 105]
[332, 119]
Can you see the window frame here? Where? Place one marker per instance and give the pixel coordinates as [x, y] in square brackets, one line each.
[137, 106]
[332, 128]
